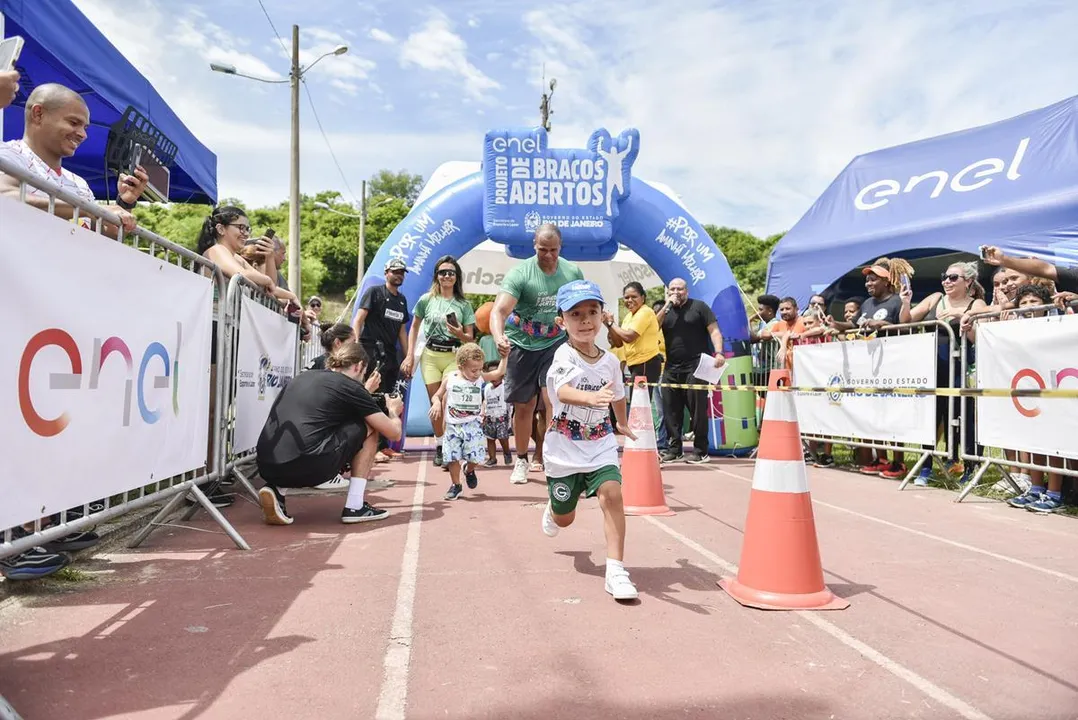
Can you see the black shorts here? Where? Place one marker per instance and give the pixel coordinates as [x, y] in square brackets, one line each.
[310, 470]
[525, 372]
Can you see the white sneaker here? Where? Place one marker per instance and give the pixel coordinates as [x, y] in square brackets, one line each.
[520, 472]
[337, 484]
[620, 586]
[550, 528]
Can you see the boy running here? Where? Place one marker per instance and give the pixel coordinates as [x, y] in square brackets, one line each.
[581, 451]
[460, 399]
[495, 418]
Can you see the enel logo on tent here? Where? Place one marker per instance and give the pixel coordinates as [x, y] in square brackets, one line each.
[579, 190]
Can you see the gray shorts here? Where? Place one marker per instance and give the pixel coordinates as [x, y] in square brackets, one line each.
[525, 372]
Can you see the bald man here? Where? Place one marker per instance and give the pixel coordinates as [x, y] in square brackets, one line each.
[56, 123]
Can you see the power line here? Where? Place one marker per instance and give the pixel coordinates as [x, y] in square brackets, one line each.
[270, 20]
[329, 147]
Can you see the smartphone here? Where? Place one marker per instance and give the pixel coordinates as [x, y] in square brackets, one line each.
[905, 282]
[10, 49]
[984, 251]
[451, 319]
[270, 233]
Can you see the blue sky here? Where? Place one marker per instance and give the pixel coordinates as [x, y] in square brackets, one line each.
[746, 109]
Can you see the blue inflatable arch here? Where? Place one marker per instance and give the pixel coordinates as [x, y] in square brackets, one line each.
[658, 229]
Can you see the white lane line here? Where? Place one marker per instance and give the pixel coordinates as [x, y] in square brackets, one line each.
[393, 697]
[926, 686]
[930, 536]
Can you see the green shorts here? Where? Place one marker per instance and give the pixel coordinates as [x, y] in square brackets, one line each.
[565, 491]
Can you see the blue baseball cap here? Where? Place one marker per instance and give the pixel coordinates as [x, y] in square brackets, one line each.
[572, 294]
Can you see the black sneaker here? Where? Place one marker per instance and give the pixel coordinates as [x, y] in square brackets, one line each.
[672, 457]
[509, 458]
[699, 458]
[454, 492]
[471, 478]
[75, 541]
[825, 461]
[34, 563]
[364, 514]
[273, 507]
[438, 456]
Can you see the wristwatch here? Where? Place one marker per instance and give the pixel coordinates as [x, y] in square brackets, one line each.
[124, 204]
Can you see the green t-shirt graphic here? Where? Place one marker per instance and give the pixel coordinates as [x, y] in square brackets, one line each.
[432, 309]
[531, 325]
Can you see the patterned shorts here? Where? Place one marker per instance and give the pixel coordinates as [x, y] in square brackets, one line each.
[496, 428]
[464, 442]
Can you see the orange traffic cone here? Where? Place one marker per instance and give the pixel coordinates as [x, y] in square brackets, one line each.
[780, 559]
[641, 482]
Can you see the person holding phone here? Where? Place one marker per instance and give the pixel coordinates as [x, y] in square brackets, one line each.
[448, 321]
[9, 87]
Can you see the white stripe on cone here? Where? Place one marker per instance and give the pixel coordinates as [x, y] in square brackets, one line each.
[641, 422]
[780, 406]
[781, 476]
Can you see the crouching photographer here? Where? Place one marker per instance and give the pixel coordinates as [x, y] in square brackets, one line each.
[320, 423]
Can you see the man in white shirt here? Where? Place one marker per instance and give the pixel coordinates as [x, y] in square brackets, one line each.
[56, 122]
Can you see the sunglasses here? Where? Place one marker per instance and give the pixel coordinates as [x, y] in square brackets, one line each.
[953, 277]
[316, 305]
[245, 229]
[447, 273]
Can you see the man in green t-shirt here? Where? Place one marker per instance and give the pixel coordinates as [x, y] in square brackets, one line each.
[523, 327]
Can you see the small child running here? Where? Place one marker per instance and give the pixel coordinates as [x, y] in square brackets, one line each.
[580, 449]
[496, 416]
[460, 400]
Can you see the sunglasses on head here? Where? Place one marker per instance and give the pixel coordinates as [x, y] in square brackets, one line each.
[447, 273]
[316, 304]
[953, 277]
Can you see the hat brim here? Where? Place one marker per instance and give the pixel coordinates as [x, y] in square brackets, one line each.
[573, 302]
[876, 270]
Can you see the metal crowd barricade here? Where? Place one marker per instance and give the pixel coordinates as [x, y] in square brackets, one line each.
[998, 457]
[944, 334]
[309, 351]
[174, 489]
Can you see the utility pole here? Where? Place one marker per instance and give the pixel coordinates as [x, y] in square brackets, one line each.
[293, 190]
[544, 105]
[362, 261]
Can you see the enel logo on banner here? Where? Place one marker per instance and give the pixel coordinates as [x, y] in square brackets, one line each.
[102, 350]
[1030, 374]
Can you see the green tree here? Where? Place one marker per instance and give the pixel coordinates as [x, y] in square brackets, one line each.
[401, 185]
[747, 255]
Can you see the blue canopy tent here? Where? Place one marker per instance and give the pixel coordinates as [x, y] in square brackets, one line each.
[1013, 184]
[62, 46]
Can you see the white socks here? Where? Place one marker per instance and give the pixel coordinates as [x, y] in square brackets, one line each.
[356, 488]
[437, 441]
[612, 565]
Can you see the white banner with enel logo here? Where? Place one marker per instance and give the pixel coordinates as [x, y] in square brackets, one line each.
[883, 362]
[1029, 354]
[105, 366]
[265, 361]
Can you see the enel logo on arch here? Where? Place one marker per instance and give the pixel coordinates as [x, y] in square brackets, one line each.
[1030, 374]
[102, 351]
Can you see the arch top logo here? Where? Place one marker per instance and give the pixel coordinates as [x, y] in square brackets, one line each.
[155, 356]
[1025, 405]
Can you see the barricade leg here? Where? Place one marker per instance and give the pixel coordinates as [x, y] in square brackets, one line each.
[247, 485]
[156, 520]
[916, 469]
[974, 482]
[174, 503]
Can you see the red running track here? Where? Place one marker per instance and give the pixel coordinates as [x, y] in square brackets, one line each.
[466, 610]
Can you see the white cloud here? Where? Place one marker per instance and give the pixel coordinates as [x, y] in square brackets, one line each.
[437, 48]
[381, 36]
[473, 22]
[347, 70]
[750, 110]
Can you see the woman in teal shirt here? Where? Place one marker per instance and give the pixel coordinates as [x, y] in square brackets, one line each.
[448, 321]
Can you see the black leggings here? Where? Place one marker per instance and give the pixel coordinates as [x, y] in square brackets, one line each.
[650, 370]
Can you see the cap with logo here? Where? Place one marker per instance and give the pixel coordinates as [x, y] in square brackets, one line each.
[396, 264]
[572, 294]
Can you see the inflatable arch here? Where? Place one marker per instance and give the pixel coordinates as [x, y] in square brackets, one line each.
[461, 215]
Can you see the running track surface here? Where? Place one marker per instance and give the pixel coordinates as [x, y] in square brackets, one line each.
[466, 610]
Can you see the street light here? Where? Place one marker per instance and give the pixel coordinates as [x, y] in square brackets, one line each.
[294, 76]
[362, 217]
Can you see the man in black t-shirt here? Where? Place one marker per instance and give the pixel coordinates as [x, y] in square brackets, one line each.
[883, 306]
[687, 325]
[381, 325]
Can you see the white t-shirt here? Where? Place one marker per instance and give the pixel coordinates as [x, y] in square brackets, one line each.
[580, 439]
[19, 153]
[464, 399]
[494, 397]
